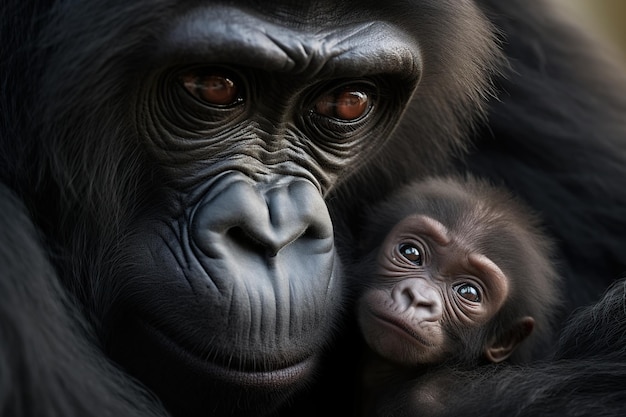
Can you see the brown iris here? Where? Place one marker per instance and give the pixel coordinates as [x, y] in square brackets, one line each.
[212, 88]
[347, 103]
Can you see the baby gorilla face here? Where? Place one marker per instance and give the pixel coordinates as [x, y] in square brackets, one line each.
[432, 289]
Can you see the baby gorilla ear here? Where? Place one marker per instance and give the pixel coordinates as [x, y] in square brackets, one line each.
[501, 347]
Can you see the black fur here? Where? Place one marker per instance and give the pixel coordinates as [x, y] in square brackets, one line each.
[50, 364]
[555, 135]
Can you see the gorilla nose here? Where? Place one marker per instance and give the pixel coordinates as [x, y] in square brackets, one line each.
[260, 217]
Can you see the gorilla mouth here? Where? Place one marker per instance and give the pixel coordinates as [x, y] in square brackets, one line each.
[264, 373]
[270, 378]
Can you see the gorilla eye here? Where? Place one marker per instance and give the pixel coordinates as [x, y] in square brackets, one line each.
[411, 253]
[212, 87]
[348, 103]
[469, 292]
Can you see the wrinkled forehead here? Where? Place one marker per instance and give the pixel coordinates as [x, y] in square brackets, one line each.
[273, 46]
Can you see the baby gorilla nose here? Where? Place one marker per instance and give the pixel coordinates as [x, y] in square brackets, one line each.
[419, 295]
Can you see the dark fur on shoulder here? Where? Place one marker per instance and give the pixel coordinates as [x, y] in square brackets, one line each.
[49, 362]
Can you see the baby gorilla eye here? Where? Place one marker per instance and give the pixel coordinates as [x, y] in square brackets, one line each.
[212, 86]
[347, 103]
[469, 292]
[411, 253]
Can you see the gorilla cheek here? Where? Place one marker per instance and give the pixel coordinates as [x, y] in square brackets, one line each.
[243, 294]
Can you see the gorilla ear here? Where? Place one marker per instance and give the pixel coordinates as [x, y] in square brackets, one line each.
[500, 348]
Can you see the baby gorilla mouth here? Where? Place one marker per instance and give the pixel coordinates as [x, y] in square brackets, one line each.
[400, 327]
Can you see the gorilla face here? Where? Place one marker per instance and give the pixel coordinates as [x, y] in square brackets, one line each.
[194, 146]
[247, 125]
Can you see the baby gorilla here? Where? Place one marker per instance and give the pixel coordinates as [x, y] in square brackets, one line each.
[462, 278]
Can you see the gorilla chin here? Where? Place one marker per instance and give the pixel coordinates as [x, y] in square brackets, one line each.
[189, 382]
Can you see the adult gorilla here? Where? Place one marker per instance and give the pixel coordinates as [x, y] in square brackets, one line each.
[166, 166]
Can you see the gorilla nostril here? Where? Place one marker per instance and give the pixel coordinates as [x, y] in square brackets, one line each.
[238, 236]
[247, 242]
[314, 231]
[259, 238]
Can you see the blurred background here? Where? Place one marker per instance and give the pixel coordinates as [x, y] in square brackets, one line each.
[604, 17]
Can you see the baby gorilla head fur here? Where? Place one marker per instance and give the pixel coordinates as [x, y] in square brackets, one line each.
[463, 277]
